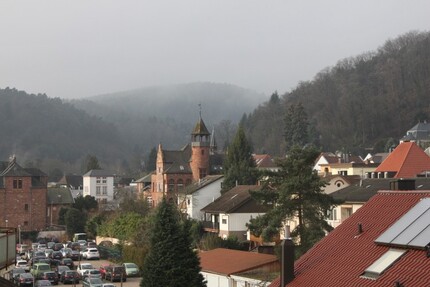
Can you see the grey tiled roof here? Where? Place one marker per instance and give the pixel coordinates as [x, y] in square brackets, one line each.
[177, 161]
[236, 200]
[59, 196]
[99, 172]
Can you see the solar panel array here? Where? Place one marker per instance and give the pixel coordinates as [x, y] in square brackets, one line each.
[412, 229]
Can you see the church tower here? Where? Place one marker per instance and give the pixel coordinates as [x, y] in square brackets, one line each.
[200, 149]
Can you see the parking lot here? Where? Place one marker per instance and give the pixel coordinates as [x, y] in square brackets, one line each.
[131, 281]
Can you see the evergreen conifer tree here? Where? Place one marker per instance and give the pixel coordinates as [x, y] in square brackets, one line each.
[170, 262]
[239, 165]
[294, 193]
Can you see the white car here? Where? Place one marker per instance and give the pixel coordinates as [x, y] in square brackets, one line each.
[91, 253]
[83, 267]
[22, 264]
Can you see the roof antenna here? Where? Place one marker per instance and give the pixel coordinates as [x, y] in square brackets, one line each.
[200, 110]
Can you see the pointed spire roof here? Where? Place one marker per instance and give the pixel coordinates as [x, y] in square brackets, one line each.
[200, 128]
[407, 160]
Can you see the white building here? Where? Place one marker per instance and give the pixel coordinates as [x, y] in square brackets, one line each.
[99, 184]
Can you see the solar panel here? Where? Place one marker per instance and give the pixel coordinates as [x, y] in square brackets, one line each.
[412, 229]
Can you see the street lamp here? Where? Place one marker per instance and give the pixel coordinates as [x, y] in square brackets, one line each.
[6, 221]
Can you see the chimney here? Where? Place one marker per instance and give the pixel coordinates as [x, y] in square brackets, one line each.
[287, 262]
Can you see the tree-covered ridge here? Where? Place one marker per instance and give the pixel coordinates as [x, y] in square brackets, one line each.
[359, 103]
[39, 129]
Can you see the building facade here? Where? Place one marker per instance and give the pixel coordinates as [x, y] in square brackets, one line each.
[23, 196]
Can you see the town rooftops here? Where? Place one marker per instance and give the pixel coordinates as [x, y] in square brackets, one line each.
[227, 261]
[407, 160]
[348, 257]
[236, 200]
[99, 173]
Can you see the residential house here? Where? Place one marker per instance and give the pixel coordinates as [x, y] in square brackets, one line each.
[384, 243]
[419, 134]
[199, 194]
[57, 198]
[265, 162]
[229, 214]
[361, 169]
[324, 158]
[376, 158]
[99, 184]
[337, 182]
[143, 185]
[74, 183]
[226, 267]
[406, 161]
[356, 195]
[23, 196]
[177, 169]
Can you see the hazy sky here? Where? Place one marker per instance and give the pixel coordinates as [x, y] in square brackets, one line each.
[80, 48]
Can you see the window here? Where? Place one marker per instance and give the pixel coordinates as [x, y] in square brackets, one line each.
[104, 190]
[26, 207]
[171, 187]
[104, 180]
[187, 182]
[203, 152]
[346, 212]
[332, 214]
[379, 266]
[180, 184]
[17, 183]
[202, 172]
[97, 190]
[98, 180]
[25, 223]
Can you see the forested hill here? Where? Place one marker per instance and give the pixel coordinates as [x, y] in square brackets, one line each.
[47, 133]
[359, 103]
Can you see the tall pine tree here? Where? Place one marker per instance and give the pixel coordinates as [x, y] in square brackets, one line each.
[239, 165]
[296, 126]
[171, 262]
[294, 193]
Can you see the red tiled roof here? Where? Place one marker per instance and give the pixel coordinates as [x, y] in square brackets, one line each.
[264, 161]
[228, 261]
[341, 257]
[407, 160]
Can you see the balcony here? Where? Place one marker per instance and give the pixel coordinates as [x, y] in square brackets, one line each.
[210, 226]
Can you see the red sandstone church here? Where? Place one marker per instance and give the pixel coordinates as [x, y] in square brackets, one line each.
[176, 169]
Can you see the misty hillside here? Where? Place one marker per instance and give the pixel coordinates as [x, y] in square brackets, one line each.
[359, 104]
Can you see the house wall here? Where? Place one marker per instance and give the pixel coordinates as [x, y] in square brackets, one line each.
[342, 212]
[90, 186]
[234, 224]
[216, 280]
[201, 198]
[350, 170]
[26, 206]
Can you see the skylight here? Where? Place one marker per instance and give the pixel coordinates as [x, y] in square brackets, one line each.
[379, 266]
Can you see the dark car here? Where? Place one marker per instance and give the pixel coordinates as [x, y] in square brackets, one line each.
[68, 262]
[57, 255]
[115, 273]
[51, 276]
[14, 274]
[25, 279]
[70, 276]
[60, 268]
[75, 255]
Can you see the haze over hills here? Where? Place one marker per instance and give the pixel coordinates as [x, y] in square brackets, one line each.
[362, 102]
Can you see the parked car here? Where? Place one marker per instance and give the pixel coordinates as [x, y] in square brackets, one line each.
[131, 269]
[22, 264]
[51, 276]
[66, 252]
[91, 253]
[68, 262]
[57, 255]
[75, 255]
[82, 267]
[92, 282]
[58, 246]
[70, 276]
[60, 268]
[14, 274]
[115, 273]
[92, 273]
[25, 279]
[108, 285]
[48, 252]
[42, 283]
[102, 270]
[38, 268]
